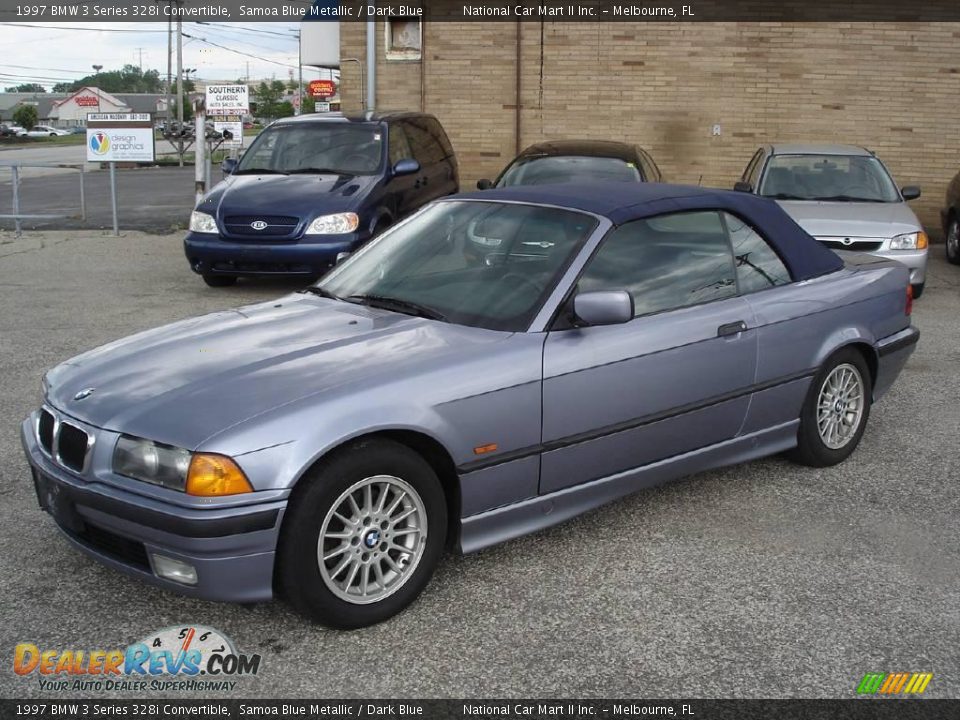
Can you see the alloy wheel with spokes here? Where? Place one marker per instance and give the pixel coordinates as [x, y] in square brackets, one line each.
[835, 412]
[840, 406]
[363, 533]
[372, 539]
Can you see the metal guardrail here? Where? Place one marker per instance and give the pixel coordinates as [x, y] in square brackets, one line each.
[18, 217]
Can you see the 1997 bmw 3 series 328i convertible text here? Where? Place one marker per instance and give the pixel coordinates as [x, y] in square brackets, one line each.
[329, 445]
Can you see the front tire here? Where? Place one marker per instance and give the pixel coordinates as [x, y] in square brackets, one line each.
[835, 413]
[917, 290]
[363, 535]
[219, 281]
[953, 241]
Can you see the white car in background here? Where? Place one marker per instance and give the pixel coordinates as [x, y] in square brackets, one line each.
[846, 198]
[40, 131]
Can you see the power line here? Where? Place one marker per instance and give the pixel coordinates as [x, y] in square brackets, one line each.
[57, 27]
[237, 28]
[239, 52]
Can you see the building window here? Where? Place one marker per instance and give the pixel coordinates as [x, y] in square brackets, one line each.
[403, 36]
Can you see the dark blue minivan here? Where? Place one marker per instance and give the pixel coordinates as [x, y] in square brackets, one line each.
[314, 186]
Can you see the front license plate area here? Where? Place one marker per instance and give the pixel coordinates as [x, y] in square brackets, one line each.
[55, 498]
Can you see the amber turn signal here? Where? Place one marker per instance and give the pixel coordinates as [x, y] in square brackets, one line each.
[922, 240]
[214, 475]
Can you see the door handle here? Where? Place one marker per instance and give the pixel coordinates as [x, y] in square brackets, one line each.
[733, 328]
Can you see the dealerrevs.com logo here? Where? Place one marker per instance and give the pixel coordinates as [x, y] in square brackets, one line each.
[176, 658]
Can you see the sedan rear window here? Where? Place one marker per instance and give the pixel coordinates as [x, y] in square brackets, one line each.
[552, 169]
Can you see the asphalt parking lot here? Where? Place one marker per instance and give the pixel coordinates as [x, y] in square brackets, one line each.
[762, 580]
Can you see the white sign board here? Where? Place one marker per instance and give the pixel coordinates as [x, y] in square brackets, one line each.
[227, 100]
[120, 137]
[235, 127]
[321, 107]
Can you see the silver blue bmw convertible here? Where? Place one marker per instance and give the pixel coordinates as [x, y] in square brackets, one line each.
[495, 364]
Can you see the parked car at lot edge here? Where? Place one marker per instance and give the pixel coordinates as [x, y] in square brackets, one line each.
[11, 131]
[313, 187]
[40, 131]
[78, 130]
[950, 218]
[845, 197]
[566, 161]
[336, 440]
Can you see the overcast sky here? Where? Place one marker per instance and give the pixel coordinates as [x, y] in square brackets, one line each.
[56, 52]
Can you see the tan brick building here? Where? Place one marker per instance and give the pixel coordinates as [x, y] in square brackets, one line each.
[893, 87]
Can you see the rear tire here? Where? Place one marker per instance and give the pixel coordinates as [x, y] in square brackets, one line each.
[836, 411]
[953, 241]
[362, 535]
[219, 281]
[917, 290]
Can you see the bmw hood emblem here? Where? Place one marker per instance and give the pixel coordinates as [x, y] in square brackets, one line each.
[85, 393]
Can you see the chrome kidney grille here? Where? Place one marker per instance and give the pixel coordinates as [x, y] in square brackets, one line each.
[65, 443]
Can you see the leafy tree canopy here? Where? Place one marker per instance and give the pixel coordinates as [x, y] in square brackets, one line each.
[25, 116]
[27, 88]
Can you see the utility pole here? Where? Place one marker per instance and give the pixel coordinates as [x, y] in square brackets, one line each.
[169, 117]
[180, 81]
[140, 51]
[300, 79]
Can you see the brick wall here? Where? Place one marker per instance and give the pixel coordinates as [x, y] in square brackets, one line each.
[893, 87]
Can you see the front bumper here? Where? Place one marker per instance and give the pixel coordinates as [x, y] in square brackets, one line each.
[916, 260]
[232, 549]
[210, 254]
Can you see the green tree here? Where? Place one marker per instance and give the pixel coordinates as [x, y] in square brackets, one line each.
[27, 88]
[128, 79]
[25, 116]
[269, 100]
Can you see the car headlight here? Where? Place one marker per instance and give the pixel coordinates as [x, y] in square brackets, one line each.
[910, 241]
[337, 224]
[203, 474]
[202, 222]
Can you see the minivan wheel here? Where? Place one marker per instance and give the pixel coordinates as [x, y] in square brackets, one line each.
[220, 280]
[363, 536]
[953, 241]
[835, 412]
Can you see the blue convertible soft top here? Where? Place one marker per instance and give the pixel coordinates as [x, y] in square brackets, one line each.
[623, 202]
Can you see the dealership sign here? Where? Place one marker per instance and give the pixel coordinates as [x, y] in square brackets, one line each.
[116, 137]
[228, 100]
[233, 126]
[322, 89]
[87, 100]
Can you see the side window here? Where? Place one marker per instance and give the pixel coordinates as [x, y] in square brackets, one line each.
[424, 147]
[758, 266]
[665, 262]
[440, 136]
[399, 147]
[750, 170]
[651, 173]
[754, 177]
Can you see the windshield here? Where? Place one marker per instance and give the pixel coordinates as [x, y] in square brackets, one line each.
[483, 264]
[551, 169]
[334, 147]
[849, 178]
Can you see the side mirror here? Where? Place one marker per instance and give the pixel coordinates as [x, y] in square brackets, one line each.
[407, 166]
[910, 192]
[604, 307]
[229, 165]
[743, 186]
[484, 184]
